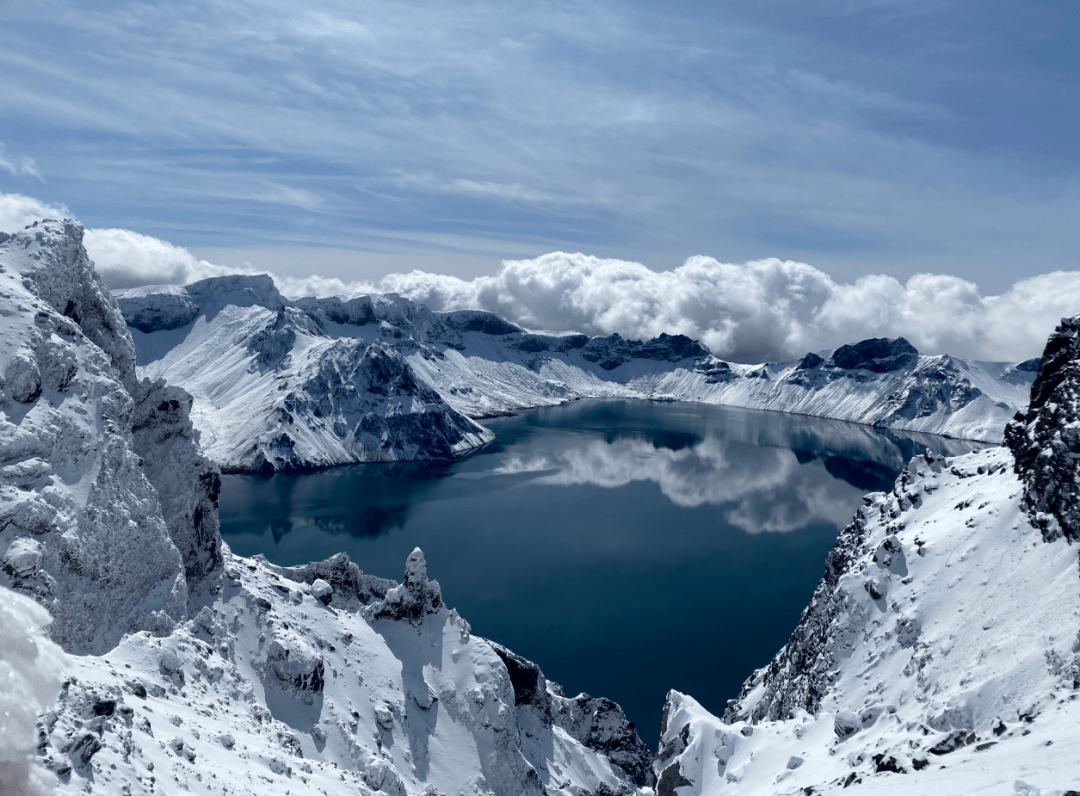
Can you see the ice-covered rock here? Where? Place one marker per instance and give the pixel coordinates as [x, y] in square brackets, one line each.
[76, 475]
[415, 598]
[1045, 440]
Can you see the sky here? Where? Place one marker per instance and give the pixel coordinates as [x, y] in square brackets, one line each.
[355, 141]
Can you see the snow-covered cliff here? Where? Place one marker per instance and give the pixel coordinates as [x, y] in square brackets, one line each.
[280, 383]
[941, 651]
[85, 487]
[198, 670]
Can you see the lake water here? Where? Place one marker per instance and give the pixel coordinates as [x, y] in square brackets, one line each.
[627, 547]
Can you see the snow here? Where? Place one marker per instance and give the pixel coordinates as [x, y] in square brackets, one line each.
[939, 654]
[257, 365]
[197, 670]
[951, 623]
[31, 667]
[229, 703]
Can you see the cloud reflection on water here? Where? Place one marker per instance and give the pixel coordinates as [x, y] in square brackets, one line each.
[764, 489]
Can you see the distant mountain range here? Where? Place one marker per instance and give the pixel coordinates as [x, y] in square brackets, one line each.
[284, 385]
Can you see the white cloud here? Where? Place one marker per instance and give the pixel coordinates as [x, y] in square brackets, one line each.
[763, 309]
[760, 310]
[16, 211]
[774, 494]
[24, 166]
[128, 259]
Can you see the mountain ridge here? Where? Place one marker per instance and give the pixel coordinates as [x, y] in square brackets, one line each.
[211, 335]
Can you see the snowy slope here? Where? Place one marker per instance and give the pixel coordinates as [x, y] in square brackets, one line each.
[941, 650]
[320, 679]
[276, 381]
[197, 670]
[273, 391]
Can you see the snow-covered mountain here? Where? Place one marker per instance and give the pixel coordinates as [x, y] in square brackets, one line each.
[280, 384]
[198, 670]
[939, 654]
[941, 651]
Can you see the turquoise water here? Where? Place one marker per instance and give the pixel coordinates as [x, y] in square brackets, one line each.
[627, 547]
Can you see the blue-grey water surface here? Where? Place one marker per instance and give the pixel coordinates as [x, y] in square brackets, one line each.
[628, 547]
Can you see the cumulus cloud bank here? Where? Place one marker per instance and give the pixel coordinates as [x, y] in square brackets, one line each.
[760, 310]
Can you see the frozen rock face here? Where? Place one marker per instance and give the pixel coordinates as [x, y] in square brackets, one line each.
[415, 598]
[81, 525]
[597, 724]
[1046, 439]
[283, 384]
[167, 443]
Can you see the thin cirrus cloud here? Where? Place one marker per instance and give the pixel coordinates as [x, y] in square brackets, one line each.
[893, 138]
[19, 167]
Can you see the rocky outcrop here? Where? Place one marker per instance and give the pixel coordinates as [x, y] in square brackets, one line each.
[612, 351]
[86, 482]
[415, 598]
[877, 355]
[1045, 440]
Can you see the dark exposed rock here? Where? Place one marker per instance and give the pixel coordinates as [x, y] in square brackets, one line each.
[85, 746]
[811, 361]
[715, 371]
[530, 685]
[166, 311]
[670, 779]
[478, 321]
[610, 352]
[415, 598]
[357, 311]
[1045, 440]
[878, 355]
[535, 343]
[352, 587]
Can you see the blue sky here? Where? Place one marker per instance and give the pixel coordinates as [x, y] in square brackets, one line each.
[355, 139]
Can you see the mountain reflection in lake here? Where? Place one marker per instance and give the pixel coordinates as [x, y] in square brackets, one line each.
[628, 547]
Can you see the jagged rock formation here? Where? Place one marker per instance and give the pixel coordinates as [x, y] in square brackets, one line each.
[284, 385]
[1045, 440]
[277, 392]
[269, 689]
[84, 486]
